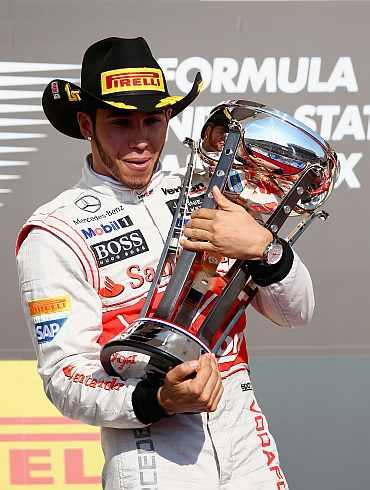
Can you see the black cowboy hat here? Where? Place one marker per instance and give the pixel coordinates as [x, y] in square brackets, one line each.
[116, 73]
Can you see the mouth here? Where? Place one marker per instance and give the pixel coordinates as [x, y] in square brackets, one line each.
[138, 163]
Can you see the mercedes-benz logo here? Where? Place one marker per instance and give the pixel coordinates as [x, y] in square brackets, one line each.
[91, 204]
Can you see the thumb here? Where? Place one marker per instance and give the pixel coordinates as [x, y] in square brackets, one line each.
[182, 371]
[221, 201]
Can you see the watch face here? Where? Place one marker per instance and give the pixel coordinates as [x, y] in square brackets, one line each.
[274, 253]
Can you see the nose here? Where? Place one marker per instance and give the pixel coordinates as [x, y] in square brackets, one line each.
[138, 144]
[138, 138]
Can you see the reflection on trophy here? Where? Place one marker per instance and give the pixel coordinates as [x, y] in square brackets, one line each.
[275, 167]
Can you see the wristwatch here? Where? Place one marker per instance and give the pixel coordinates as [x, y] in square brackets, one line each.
[273, 252]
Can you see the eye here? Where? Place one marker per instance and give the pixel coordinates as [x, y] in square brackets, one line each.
[151, 120]
[121, 122]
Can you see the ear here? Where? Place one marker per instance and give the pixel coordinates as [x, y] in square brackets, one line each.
[168, 113]
[86, 125]
[208, 131]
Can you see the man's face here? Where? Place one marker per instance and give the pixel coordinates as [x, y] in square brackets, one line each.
[214, 138]
[127, 146]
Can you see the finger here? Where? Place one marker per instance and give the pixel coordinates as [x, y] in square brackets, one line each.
[204, 371]
[217, 398]
[182, 371]
[214, 378]
[211, 386]
[197, 234]
[196, 246]
[221, 201]
[201, 223]
[204, 213]
[206, 379]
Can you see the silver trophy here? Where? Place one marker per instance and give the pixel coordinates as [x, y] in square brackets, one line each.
[271, 164]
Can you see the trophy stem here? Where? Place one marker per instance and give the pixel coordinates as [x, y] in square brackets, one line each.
[176, 287]
[179, 214]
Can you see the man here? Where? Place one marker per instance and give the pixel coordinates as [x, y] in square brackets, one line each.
[86, 261]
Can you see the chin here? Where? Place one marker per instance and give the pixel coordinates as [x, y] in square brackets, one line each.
[135, 182]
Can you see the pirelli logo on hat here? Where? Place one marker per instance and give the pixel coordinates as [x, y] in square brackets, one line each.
[49, 306]
[131, 80]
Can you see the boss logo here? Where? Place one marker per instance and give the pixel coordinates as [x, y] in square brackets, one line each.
[119, 248]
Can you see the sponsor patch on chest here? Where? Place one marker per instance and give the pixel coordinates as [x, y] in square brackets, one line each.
[119, 248]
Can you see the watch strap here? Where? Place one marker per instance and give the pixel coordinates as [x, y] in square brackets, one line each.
[264, 274]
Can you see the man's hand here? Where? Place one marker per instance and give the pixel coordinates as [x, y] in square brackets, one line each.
[229, 231]
[201, 393]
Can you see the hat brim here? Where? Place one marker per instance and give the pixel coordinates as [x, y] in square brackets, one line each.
[62, 100]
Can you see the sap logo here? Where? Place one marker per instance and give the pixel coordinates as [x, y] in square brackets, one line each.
[113, 225]
[119, 248]
[46, 331]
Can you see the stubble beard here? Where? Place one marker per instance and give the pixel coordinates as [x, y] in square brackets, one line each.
[112, 166]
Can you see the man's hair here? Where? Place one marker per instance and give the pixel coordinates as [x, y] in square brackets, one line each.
[217, 119]
[91, 112]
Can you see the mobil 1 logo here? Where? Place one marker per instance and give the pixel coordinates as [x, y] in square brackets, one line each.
[119, 248]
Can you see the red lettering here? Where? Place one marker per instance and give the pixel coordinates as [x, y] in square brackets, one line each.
[136, 82]
[21, 467]
[168, 268]
[135, 275]
[259, 422]
[149, 274]
[265, 440]
[254, 407]
[74, 468]
[270, 456]
[278, 472]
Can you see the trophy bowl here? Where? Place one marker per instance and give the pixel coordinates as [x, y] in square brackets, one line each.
[275, 149]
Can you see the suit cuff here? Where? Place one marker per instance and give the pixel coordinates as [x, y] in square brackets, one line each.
[145, 403]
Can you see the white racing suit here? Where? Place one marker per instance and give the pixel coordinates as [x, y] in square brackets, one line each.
[85, 263]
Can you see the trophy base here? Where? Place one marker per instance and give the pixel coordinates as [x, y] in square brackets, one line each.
[163, 345]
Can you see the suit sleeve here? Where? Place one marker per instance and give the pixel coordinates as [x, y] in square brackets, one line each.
[289, 302]
[64, 316]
